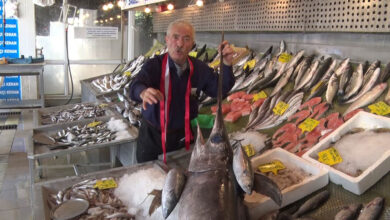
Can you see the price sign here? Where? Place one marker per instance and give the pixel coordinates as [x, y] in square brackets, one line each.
[105, 184]
[260, 95]
[214, 64]
[250, 64]
[316, 87]
[193, 54]
[94, 124]
[330, 156]
[249, 150]
[285, 57]
[308, 124]
[379, 108]
[280, 108]
[127, 73]
[273, 167]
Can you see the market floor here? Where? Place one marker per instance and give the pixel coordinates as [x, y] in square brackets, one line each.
[14, 172]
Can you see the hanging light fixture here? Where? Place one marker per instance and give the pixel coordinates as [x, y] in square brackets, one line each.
[199, 3]
[170, 7]
[105, 7]
[147, 10]
[110, 5]
[120, 4]
[118, 16]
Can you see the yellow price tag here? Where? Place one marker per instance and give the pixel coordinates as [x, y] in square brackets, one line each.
[308, 125]
[330, 156]
[94, 124]
[193, 54]
[316, 87]
[250, 64]
[214, 64]
[273, 166]
[127, 73]
[260, 95]
[380, 108]
[103, 105]
[280, 108]
[285, 57]
[157, 53]
[105, 184]
[249, 150]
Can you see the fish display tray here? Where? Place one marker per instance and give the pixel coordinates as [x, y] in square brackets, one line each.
[37, 113]
[372, 174]
[36, 151]
[44, 189]
[261, 205]
[89, 93]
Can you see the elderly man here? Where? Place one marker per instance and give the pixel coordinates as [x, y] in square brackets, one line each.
[168, 86]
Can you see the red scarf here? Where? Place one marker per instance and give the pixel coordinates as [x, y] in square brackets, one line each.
[166, 89]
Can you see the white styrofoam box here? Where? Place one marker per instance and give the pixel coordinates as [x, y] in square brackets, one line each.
[372, 174]
[258, 205]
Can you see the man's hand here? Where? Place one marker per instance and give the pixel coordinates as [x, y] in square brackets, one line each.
[227, 53]
[151, 96]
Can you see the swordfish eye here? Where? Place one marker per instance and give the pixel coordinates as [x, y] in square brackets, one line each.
[216, 139]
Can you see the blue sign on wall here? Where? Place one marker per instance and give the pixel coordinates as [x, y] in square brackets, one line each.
[10, 89]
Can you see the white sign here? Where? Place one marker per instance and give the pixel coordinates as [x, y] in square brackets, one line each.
[96, 32]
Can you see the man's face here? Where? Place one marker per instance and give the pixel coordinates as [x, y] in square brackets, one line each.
[179, 42]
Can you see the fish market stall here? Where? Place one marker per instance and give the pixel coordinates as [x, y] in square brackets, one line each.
[98, 141]
[68, 113]
[146, 178]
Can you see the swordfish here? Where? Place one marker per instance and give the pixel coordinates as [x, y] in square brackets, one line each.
[217, 177]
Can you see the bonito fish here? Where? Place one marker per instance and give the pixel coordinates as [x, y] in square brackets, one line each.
[367, 98]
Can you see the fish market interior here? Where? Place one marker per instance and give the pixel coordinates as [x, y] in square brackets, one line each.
[279, 109]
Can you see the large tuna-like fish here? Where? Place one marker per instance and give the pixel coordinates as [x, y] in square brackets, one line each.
[211, 188]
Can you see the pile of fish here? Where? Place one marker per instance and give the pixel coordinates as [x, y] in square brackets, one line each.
[290, 136]
[263, 116]
[126, 107]
[371, 210]
[93, 133]
[77, 112]
[102, 203]
[239, 104]
[116, 81]
[110, 83]
[315, 76]
[85, 135]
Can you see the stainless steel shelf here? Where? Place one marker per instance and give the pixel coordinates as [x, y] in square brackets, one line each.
[35, 69]
[33, 103]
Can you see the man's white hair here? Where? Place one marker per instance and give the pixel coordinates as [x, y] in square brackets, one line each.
[181, 22]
